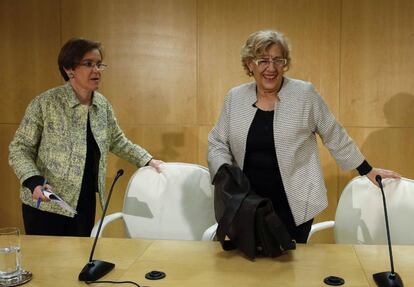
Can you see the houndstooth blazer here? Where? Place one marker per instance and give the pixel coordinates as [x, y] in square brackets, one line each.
[300, 114]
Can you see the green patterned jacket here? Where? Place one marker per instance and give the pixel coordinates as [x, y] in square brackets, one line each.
[51, 142]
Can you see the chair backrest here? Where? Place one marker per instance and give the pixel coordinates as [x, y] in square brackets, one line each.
[174, 204]
[360, 213]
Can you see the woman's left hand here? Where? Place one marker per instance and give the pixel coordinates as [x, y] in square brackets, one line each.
[383, 173]
[155, 163]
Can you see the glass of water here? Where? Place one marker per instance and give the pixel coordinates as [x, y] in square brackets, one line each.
[9, 253]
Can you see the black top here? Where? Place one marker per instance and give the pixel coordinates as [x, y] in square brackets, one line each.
[86, 202]
[261, 166]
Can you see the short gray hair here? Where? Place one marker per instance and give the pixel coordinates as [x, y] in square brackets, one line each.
[258, 42]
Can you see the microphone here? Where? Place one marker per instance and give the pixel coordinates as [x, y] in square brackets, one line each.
[387, 279]
[95, 269]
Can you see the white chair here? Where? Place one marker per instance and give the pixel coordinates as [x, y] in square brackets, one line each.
[360, 217]
[174, 204]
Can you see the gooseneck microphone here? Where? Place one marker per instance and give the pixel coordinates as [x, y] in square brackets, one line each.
[95, 269]
[387, 279]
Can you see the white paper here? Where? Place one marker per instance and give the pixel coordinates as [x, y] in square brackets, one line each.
[56, 198]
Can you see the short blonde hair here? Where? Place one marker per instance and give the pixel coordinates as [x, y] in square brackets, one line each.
[258, 42]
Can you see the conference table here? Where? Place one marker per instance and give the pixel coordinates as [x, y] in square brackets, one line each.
[57, 261]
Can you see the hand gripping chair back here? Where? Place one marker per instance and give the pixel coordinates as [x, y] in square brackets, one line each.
[360, 217]
[175, 204]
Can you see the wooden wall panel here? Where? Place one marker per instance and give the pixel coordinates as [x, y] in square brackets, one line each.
[389, 148]
[150, 47]
[29, 46]
[377, 87]
[10, 212]
[377, 63]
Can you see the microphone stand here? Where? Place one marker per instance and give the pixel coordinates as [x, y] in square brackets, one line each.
[95, 269]
[387, 279]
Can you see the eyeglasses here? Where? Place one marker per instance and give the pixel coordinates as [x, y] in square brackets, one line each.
[91, 65]
[264, 63]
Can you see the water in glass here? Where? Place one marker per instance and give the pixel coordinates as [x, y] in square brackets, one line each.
[9, 253]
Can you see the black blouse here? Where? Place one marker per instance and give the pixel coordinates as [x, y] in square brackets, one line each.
[261, 166]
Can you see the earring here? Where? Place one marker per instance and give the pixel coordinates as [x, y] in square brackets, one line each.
[250, 73]
[71, 75]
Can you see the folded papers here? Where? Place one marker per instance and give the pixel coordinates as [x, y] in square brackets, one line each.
[57, 199]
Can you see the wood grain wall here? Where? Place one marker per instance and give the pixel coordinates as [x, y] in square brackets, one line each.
[172, 62]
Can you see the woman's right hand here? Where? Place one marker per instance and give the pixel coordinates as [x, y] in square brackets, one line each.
[38, 193]
[155, 163]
